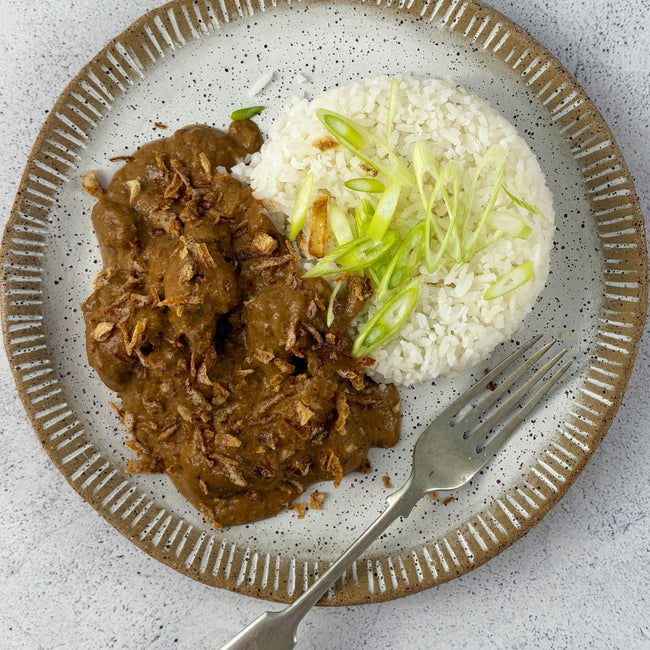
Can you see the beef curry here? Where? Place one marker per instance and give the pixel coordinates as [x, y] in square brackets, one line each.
[230, 380]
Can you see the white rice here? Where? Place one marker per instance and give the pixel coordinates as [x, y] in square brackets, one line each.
[451, 327]
[260, 84]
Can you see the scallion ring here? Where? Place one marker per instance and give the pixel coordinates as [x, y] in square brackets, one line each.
[388, 320]
[362, 216]
[300, 206]
[355, 137]
[424, 163]
[353, 256]
[340, 225]
[370, 185]
[384, 211]
[510, 281]
[403, 262]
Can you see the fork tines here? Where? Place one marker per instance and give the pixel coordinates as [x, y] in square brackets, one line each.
[456, 417]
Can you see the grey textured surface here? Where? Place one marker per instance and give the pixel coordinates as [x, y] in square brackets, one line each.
[581, 578]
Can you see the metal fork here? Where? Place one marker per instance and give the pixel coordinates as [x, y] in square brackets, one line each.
[450, 451]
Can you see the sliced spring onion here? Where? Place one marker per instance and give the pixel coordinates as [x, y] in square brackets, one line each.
[450, 230]
[523, 204]
[330, 304]
[367, 254]
[403, 262]
[374, 276]
[362, 216]
[494, 155]
[509, 224]
[355, 137]
[370, 185]
[447, 172]
[510, 281]
[353, 256]
[379, 267]
[246, 113]
[424, 163]
[452, 172]
[384, 211]
[470, 243]
[340, 225]
[301, 205]
[326, 265]
[392, 106]
[347, 131]
[388, 320]
[433, 263]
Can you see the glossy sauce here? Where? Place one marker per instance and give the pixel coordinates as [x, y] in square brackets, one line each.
[230, 380]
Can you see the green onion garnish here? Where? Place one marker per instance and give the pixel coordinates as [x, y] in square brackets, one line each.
[370, 253]
[403, 262]
[354, 137]
[362, 216]
[424, 163]
[434, 263]
[449, 230]
[340, 224]
[450, 170]
[453, 172]
[388, 320]
[246, 113]
[370, 185]
[487, 158]
[497, 156]
[374, 275]
[301, 206]
[353, 256]
[345, 130]
[377, 269]
[523, 204]
[384, 211]
[510, 281]
[330, 304]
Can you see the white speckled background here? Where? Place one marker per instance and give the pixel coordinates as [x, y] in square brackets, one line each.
[581, 578]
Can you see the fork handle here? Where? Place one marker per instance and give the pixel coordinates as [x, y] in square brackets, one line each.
[278, 630]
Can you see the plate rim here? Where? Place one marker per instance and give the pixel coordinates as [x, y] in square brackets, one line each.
[573, 110]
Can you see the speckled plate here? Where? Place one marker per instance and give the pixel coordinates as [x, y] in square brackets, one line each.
[193, 62]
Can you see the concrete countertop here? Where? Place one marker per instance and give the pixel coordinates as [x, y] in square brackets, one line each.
[579, 579]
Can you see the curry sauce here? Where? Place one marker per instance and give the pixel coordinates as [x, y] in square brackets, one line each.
[201, 322]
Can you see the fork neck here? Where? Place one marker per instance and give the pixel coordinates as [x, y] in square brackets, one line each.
[402, 501]
[400, 504]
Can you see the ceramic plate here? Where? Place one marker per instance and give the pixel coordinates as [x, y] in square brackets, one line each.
[191, 62]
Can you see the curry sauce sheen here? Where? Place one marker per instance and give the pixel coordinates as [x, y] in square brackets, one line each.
[200, 321]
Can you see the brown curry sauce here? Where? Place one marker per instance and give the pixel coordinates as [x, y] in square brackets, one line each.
[230, 380]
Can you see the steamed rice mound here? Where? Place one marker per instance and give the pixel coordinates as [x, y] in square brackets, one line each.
[452, 327]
